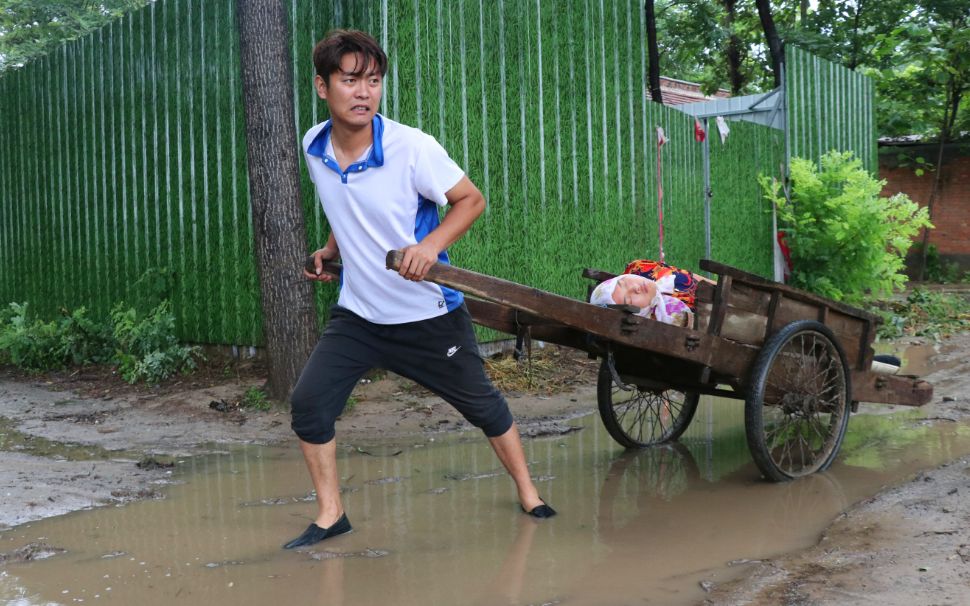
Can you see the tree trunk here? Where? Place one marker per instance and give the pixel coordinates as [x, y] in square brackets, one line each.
[954, 95]
[854, 54]
[733, 51]
[289, 315]
[653, 53]
[771, 36]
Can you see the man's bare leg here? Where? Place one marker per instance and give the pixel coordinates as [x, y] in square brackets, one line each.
[321, 461]
[508, 447]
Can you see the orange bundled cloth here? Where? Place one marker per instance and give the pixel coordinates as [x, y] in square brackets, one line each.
[679, 283]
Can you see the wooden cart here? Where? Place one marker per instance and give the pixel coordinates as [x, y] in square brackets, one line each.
[799, 361]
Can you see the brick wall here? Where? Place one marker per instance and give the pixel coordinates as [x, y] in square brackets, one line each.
[951, 210]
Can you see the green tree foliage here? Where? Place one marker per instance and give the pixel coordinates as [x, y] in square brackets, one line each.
[847, 242]
[915, 50]
[922, 71]
[31, 28]
[694, 38]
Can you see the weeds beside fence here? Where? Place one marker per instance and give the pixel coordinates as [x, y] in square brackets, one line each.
[142, 346]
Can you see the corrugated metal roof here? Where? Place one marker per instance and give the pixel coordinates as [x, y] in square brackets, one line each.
[763, 108]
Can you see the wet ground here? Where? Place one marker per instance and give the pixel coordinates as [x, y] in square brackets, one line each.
[436, 522]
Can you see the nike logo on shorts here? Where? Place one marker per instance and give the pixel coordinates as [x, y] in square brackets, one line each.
[453, 350]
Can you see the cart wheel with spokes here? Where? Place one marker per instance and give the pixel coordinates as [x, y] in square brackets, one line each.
[797, 408]
[636, 416]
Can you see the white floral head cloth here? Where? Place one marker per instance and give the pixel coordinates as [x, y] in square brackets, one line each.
[603, 293]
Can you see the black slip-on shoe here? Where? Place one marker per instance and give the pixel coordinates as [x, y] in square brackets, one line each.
[315, 534]
[540, 511]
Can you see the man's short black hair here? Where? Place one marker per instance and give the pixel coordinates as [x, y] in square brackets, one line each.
[339, 42]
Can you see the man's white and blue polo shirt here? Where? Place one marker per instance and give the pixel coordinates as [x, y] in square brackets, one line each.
[387, 200]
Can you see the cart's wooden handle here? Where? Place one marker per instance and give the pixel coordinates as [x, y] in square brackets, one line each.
[328, 267]
[396, 257]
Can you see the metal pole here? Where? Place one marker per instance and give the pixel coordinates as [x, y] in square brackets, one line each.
[779, 271]
[707, 191]
[783, 105]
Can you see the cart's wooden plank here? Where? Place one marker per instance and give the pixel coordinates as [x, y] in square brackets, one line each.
[510, 320]
[823, 314]
[597, 274]
[613, 325]
[722, 298]
[866, 352]
[789, 291]
[493, 312]
[704, 293]
[890, 389]
[772, 324]
[740, 326]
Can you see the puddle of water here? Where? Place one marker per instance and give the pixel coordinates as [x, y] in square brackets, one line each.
[435, 525]
[15, 441]
[918, 359]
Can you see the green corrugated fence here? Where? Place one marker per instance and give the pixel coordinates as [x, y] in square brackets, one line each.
[124, 152]
[830, 107]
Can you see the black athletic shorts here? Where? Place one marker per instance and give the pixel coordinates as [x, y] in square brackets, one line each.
[440, 354]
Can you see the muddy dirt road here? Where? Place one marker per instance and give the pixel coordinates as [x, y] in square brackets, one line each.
[905, 545]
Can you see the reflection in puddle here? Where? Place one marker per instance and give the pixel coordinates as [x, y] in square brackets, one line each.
[635, 527]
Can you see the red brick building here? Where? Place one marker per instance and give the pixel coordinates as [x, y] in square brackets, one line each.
[951, 210]
[678, 92]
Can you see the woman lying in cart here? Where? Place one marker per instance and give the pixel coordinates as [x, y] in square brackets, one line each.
[662, 292]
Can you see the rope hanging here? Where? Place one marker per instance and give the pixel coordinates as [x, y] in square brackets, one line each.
[661, 139]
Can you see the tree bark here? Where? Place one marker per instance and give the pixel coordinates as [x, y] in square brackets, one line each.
[854, 54]
[772, 38]
[653, 53]
[289, 315]
[955, 91]
[733, 51]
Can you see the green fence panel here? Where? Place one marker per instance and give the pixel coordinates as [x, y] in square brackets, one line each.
[126, 155]
[128, 151]
[830, 107]
[741, 218]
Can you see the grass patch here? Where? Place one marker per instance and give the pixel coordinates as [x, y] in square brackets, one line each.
[547, 371]
[349, 406]
[924, 313]
[255, 399]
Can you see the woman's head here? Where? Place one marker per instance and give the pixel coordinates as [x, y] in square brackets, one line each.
[627, 289]
[635, 290]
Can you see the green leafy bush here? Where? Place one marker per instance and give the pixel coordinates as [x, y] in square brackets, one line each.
[25, 344]
[147, 349]
[847, 242]
[73, 339]
[83, 340]
[143, 345]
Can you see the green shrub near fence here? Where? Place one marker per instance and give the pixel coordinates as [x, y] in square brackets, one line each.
[142, 345]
